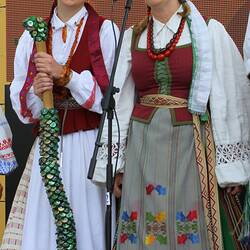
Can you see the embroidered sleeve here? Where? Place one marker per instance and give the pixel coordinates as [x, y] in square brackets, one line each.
[103, 152]
[230, 107]
[233, 164]
[102, 159]
[231, 153]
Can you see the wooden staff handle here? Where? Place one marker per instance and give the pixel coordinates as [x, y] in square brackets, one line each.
[47, 95]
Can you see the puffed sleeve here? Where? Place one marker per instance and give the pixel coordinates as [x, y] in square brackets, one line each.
[124, 106]
[229, 104]
[21, 62]
[89, 94]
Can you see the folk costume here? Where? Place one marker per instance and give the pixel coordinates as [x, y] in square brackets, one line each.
[184, 129]
[31, 224]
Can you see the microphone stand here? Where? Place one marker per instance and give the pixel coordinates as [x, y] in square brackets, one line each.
[108, 106]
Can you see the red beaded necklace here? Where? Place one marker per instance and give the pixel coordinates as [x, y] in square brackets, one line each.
[166, 52]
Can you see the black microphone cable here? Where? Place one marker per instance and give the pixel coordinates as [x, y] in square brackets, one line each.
[115, 113]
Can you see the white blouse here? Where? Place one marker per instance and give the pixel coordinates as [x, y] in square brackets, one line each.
[246, 47]
[229, 101]
[81, 85]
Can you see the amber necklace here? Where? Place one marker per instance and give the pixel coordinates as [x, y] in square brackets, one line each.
[72, 50]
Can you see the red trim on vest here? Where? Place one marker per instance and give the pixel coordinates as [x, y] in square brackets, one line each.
[91, 100]
[95, 51]
[25, 112]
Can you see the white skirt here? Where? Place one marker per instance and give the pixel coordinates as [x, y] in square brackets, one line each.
[87, 199]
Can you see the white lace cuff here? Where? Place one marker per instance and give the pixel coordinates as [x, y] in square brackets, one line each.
[103, 151]
[102, 158]
[233, 164]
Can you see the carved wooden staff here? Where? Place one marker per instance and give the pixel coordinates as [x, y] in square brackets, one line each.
[49, 138]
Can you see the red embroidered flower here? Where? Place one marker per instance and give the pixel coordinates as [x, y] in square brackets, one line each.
[123, 238]
[192, 215]
[133, 216]
[149, 189]
[182, 239]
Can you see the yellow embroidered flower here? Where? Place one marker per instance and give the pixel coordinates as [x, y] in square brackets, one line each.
[160, 217]
[150, 239]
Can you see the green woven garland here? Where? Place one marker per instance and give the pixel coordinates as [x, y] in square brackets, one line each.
[49, 168]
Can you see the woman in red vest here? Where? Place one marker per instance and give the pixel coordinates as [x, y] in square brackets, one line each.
[186, 129]
[81, 48]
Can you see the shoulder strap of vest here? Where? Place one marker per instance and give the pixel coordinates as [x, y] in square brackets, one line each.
[93, 25]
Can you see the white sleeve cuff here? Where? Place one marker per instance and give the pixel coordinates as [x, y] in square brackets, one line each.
[233, 174]
[100, 170]
[102, 158]
[86, 91]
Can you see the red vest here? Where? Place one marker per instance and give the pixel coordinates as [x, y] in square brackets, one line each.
[88, 56]
[179, 67]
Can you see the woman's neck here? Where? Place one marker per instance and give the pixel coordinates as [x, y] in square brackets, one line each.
[66, 12]
[163, 12]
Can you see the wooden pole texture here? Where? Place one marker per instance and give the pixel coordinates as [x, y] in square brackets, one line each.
[47, 95]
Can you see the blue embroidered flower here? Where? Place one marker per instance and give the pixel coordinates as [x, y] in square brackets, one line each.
[161, 190]
[132, 238]
[125, 216]
[180, 216]
[194, 238]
